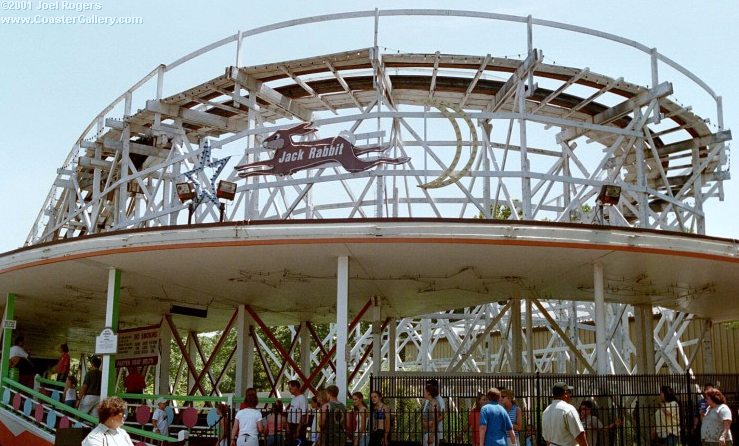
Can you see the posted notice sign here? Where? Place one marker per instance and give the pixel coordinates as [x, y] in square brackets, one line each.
[138, 347]
[106, 342]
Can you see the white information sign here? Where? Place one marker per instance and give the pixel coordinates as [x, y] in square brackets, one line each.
[106, 343]
[10, 323]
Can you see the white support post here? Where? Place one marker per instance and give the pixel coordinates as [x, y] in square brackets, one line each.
[655, 80]
[531, 362]
[641, 181]
[516, 336]
[525, 177]
[392, 351]
[698, 192]
[238, 49]
[487, 203]
[112, 305]
[162, 375]
[244, 352]
[376, 336]
[305, 349]
[572, 364]
[601, 347]
[342, 323]
[423, 353]
[644, 341]
[530, 47]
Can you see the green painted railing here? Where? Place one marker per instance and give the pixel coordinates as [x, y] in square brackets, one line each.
[49, 382]
[61, 407]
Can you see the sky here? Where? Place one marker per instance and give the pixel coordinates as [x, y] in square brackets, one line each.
[56, 77]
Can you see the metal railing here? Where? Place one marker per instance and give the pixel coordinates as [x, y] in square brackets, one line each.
[624, 406]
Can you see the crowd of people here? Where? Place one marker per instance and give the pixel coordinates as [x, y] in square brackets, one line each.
[495, 420]
[321, 421]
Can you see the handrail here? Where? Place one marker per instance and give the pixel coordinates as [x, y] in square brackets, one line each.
[49, 382]
[196, 398]
[61, 407]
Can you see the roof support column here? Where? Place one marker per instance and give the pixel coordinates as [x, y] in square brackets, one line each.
[244, 351]
[530, 360]
[392, 351]
[342, 319]
[376, 336]
[516, 335]
[644, 339]
[305, 349]
[8, 315]
[601, 346]
[112, 305]
[423, 353]
[162, 372]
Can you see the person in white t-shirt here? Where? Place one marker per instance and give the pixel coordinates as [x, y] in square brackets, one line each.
[21, 369]
[716, 426]
[247, 424]
[297, 415]
[160, 419]
[561, 425]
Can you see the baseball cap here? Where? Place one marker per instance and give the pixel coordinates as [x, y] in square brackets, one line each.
[560, 388]
[160, 401]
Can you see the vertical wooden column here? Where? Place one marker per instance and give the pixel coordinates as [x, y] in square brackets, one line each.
[305, 349]
[644, 341]
[516, 335]
[8, 315]
[376, 336]
[392, 351]
[601, 345]
[112, 305]
[530, 360]
[342, 325]
[244, 352]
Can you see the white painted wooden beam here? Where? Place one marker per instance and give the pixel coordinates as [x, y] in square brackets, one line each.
[505, 92]
[689, 144]
[192, 116]
[269, 94]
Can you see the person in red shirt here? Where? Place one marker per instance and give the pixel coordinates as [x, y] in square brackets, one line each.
[135, 382]
[62, 366]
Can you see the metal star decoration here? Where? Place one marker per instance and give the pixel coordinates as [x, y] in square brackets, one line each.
[205, 192]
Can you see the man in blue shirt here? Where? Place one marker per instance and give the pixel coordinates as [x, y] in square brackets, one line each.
[495, 423]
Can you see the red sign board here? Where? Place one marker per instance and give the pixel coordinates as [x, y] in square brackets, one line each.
[291, 157]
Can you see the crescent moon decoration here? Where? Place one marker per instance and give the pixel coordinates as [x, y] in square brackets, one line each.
[449, 176]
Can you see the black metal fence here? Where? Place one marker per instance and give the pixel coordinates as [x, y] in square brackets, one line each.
[624, 407]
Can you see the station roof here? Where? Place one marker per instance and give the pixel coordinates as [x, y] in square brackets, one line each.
[286, 271]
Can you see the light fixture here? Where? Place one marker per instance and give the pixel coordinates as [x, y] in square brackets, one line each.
[609, 194]
[186, 191]
[226, 190]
